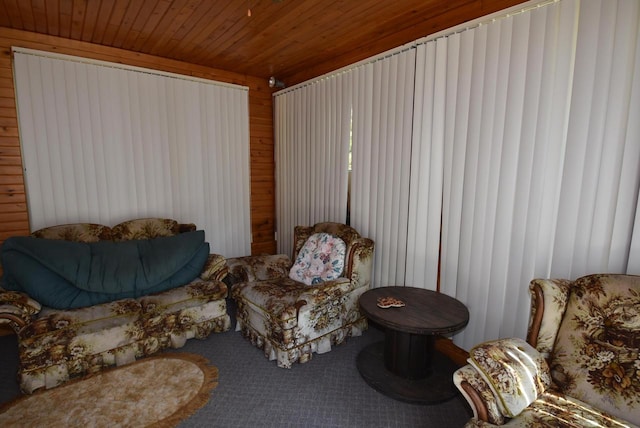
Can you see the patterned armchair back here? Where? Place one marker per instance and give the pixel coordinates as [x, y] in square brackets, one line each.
[596, 355]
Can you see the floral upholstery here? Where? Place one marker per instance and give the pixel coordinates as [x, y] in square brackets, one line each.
[148, 228]
[57, 345]
[17, 309]
[80, 232]
[514, 370]
[257, 268]
[588, 330]
[553, 409]
[596, 356]
[320, 259]
[290, 320]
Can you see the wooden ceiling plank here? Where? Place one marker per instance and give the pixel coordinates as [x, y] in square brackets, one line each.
[104, 16]
[115, 19]
[320, 29]
[77, 19]
[5, 21]
[131, 13]
[172, 21]
[91, 18]
[268, 16]
[137, 24]
[313, 29]
[149, 26]
[265, 16]
[26, 13]
[52, 13]
[39, 10]
[212, 24]
[65, 10]
[12, 15]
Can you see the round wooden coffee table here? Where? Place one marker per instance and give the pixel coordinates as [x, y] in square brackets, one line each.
[406, 366]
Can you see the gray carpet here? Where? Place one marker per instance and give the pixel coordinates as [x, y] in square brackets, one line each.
[253, 392]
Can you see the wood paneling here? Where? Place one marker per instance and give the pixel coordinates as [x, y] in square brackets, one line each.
[13, 207]
[291, 39]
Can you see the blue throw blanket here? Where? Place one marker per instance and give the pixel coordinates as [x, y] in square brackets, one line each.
[64, 275]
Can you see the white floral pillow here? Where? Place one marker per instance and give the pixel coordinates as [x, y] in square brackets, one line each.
[320, 259]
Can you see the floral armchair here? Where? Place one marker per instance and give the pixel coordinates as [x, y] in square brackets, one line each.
[579, 367]
[293, 308]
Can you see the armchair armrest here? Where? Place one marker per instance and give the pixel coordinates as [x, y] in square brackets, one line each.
[478, 394]
[258, 268]
[359, 261]
[215, 268]
[325, 290]
[549, 299]
[514, 371]
[17, 309]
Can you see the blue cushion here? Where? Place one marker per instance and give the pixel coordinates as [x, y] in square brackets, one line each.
[64, 275]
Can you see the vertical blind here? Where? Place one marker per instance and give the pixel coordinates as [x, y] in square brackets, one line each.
[312, 156]
[312, 150]
[105, 144]
[542, 167]
[601, 171]
[508, 86]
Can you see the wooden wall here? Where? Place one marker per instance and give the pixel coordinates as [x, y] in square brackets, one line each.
[14, 218]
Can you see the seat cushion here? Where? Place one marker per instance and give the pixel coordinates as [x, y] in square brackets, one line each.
[555, 410]
[320, 259]
[58, 335]
[275, 299]
[596, 358]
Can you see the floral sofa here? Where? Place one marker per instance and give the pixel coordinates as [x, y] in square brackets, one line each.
[58, 344]
[580, 365]
[291, 308]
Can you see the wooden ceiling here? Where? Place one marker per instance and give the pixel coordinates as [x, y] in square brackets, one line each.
[293, 40]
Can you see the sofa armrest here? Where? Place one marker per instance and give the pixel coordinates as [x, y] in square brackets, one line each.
[478, 394]
[215, 268]
[17, 309]
[258, 268]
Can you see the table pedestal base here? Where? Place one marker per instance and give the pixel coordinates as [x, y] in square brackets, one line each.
[435, 388]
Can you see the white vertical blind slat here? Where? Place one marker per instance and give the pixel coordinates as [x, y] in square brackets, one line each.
[426, 169]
